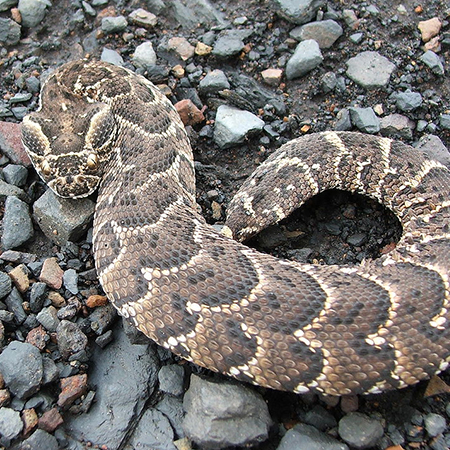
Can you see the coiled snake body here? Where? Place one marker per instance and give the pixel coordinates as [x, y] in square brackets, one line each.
[288, 326]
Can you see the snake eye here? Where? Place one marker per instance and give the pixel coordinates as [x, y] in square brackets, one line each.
[45, 167]
[92, 161]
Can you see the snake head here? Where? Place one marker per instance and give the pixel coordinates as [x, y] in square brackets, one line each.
[69, 147]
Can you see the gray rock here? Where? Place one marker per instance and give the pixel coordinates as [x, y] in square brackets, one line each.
[344, 121]
[190, 13]
[70, 280]
[124, 376]
[63, 219]
[9, 190]
[5, 284]
[33, 11]
[144, 55]
[21, 367]
[14, 302]
[33, 84]
[112, 25]
[233, 125]
[444, 121]
[10, 423]
[15, 174]
[90, 11]
[102, 318]
[172, 408]
[19, 112]
[38, 295]
[434, 148]
[299, 11]
[360, 431]
[306, 57]
[20, 97]
[171, 379]
[40, 439]
[434, 424]
[408, 101]
[370, 70]
[51, 371]
[48, 318]
[6, 4]
[70, 338]
[153, 432]
[328, 82]
[112, 57]
[220, 415]
[213, 82]
[306, 437]
[320, 418]
[430, 59]
[397, 126]
[17, 225]
[356, 38]
[324, 32]
[229, 43]
[365, 120]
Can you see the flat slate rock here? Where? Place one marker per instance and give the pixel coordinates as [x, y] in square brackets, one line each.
[370, 70]
[125, 375]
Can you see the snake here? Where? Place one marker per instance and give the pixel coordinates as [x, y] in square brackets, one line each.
[210, 299]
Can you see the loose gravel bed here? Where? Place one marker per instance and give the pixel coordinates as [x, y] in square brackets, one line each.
[246, 77]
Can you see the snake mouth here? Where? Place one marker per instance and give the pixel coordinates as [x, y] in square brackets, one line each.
[77, 186]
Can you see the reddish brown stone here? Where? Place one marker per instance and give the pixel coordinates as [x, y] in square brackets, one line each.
[94, 301]
[5, 397]
[30, 421]
[71, 389]
[38, 337]
[189, 113]
[11, 143]
[50, 420]
[51, 273]
[19, 277]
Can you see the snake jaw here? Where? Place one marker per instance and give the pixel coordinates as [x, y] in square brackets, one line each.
[74, 187]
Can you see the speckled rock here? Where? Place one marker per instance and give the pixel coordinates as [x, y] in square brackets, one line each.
[70, 338]
[17, 225]
[15, 174]
[370, 70]
[434, 424]
[220, 415]
[21, 367]
[306, 57]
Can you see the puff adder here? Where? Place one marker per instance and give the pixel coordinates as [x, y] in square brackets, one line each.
[380, 325]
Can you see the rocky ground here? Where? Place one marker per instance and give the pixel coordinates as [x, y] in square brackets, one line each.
[246, 77]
